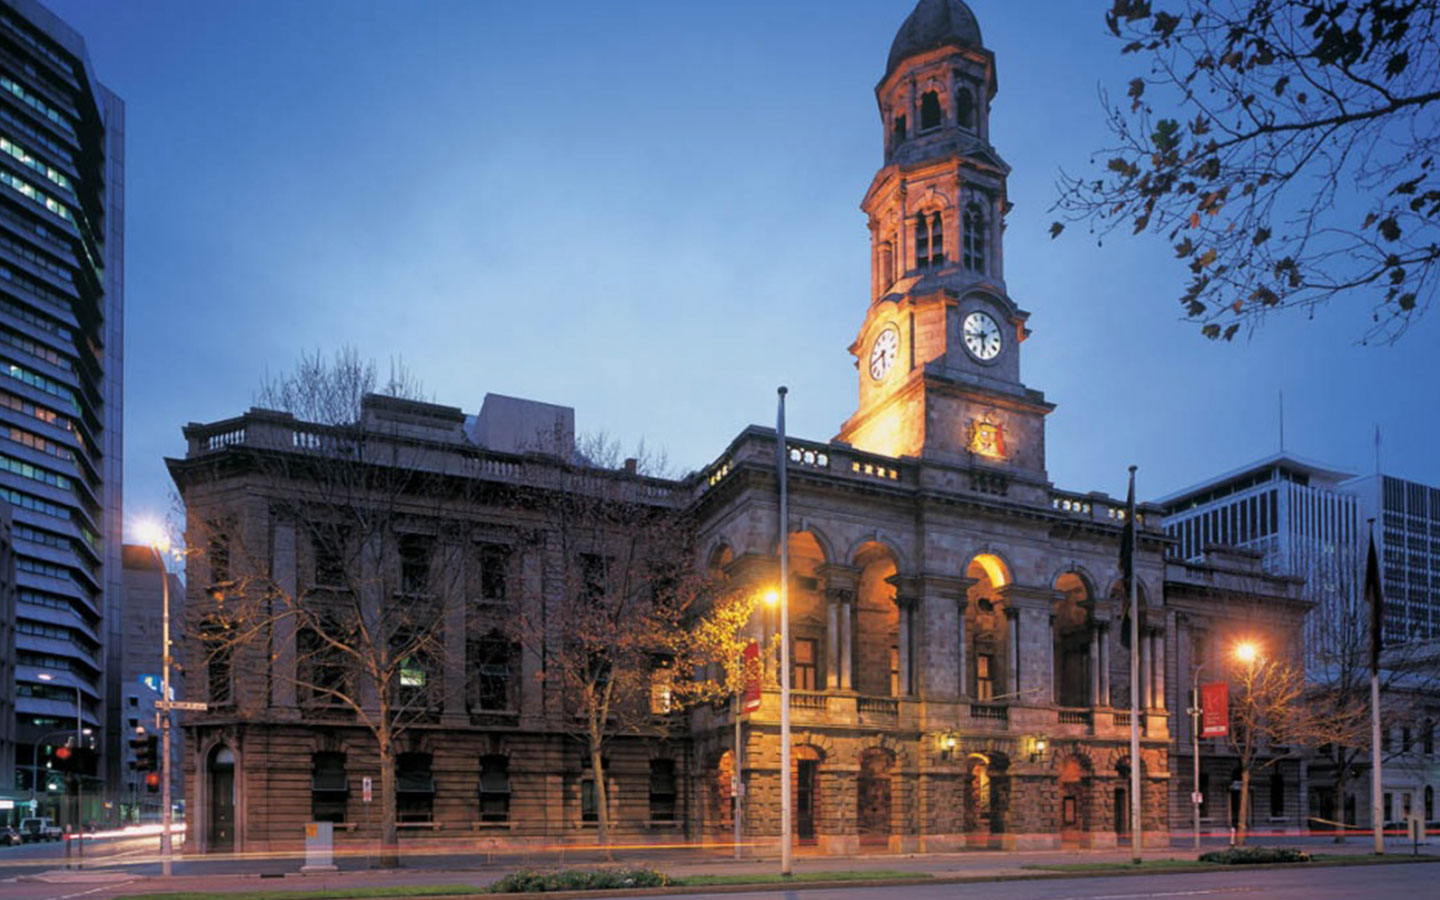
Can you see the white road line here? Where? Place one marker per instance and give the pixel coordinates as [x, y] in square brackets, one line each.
[1149, 894]
[91, 891]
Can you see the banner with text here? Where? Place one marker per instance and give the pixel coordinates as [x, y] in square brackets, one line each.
[751, 660]
[1215, 703]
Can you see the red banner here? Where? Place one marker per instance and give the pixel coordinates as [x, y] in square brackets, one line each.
[751, 660]
[1215, 708]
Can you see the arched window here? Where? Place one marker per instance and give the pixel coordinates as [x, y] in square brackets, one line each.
[898, 130]
[929, 111]
[929, 241]
[974, 234]
[964, 108]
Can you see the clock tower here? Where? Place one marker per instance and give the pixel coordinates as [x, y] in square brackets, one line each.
[939, 351]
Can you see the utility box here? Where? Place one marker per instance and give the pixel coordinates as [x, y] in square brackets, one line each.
[319, 847]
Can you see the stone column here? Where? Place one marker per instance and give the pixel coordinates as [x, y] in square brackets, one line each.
[1141, 658]
[1032, 646]
[904, 640]
[1159, 670]
[840, 584]
[1094, 664]
[962, 658]
[937, 639]
[287, 579]
[1012, 664]
[450, 582]
[1104, 627]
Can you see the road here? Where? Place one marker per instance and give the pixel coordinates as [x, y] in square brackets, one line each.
[126, 865]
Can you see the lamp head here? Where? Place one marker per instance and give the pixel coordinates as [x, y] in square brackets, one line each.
[772, 598]
[1246, 652]
[152, 534]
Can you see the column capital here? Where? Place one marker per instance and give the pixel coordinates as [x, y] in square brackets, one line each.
[838, 576]
[908, 590]
[946, 587]
[1029, 597]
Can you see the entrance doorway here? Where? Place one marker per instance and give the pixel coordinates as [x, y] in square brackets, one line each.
[1074, 796]
[805, 800]
[873, 798]
[221, 825]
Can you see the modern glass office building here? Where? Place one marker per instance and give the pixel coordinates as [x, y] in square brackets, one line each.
[61, 301]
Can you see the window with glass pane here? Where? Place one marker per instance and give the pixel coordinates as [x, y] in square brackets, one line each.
[494, 789]
[494, 560]
[329, 787]
[984, 676]
[805, 674]
[491, 661]
[662, 790]
[414, 788]
[415, 551]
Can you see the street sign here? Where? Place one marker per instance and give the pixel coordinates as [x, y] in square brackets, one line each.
[1197, 798]
[151, 681]
[192, 705]
[366, 794]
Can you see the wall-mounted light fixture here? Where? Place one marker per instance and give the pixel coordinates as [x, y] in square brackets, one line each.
[1038, 746]
[948, 743]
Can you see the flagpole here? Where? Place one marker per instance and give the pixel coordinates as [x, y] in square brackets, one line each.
[786, 852]
[1374, 595]
[1136, 831]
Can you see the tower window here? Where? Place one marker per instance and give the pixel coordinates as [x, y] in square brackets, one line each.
[964, 108]
[929, 241]
[929, 111]
[900, 128]
[974, 238]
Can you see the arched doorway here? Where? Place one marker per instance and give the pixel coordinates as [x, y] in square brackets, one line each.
[988, 667]
[986, 799]
[1074, 784]
[806, 791]
[220, 827]
[873, 797]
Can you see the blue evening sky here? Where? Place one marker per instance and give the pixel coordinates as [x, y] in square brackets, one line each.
[648, 211]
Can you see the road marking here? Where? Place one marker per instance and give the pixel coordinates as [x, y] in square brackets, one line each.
[1148, 894]
[92, 890]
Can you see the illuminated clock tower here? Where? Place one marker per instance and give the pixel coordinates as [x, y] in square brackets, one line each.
[939, 351]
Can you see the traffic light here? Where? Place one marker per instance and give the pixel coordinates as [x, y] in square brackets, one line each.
[64, 759]
[138, 745]
[152, 781]
[146, 753]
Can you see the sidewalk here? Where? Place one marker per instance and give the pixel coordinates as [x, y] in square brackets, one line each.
[971, 864]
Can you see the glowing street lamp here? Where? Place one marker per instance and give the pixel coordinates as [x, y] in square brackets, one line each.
[1246, 652]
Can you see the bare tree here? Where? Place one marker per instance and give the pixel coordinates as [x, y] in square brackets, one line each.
[637, 621]
[350, 620]
[1285, 148]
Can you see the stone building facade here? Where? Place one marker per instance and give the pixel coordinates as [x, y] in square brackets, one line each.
[959, 675]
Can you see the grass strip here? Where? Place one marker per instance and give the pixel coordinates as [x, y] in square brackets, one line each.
[1149, 864]
[357, 893]
[776, 878]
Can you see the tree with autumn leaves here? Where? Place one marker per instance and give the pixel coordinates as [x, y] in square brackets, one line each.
[1286, 149]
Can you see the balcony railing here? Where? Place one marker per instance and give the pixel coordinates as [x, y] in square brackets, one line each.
[992, 711]
[807, 701]
[1075, 717]
[878, 706]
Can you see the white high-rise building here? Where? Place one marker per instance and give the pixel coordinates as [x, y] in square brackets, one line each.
[1407, 537]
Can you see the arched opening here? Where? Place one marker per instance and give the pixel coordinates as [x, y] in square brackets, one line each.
[805, 789]
[929, 110]
[898, 131]
[878, 662]
[807, 613]
[987, 627]
[973, 232]
[1074, 793]
[964, 108]
[987, 798]
[220, 772]
[873, 797]
[1076, 680]
[721, 793]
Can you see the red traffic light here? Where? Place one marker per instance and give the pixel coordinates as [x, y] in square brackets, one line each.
[152, 781]
[62, 753]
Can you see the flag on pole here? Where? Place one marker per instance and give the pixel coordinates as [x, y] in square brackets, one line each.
[1374, 596]
[1127, 561]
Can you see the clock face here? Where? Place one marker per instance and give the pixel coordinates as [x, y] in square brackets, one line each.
[883, 353]
[982, 336]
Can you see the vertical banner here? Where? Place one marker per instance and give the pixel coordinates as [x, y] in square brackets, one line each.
[751, 660]
[1215, 703]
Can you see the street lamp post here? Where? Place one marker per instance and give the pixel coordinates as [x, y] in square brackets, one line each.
[1245, 652]
[79, 784]
[155, 538]
[782, 456]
